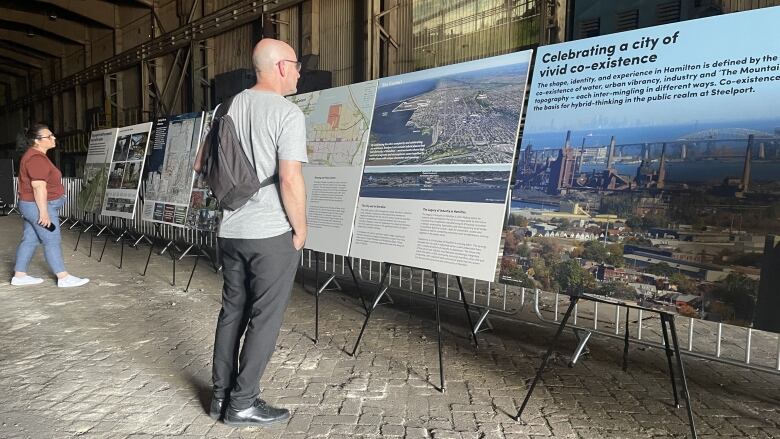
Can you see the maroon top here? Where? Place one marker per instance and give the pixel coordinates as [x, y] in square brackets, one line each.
[35, 165]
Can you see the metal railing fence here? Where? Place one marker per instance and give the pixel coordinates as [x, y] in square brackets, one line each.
[731, 345]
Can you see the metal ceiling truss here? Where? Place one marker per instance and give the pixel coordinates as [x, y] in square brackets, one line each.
[19, 58]
[65, 29]
[211, 25]
[48, 46]
[96, 11]
[25, 50]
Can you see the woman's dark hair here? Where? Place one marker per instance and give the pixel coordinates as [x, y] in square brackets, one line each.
[34, 132]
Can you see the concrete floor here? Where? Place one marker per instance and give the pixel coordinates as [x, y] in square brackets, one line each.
[130, 356]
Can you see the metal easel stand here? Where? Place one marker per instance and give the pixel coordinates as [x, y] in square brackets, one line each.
[158, 237]
[200, 251]
[382, 291]
[109, 230]
[11, 208]
[82, 230]
[671, 350]
[318, 290]
[124, 233]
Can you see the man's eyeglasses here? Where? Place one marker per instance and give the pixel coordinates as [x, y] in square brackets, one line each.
[298, 64]
[50, 136]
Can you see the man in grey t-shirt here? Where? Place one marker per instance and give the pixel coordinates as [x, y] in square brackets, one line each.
[260, 242]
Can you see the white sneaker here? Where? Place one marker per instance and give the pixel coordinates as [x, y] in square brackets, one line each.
[25, 280]
[71, 281]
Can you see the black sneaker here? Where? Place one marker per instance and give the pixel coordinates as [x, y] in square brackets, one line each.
[217, 409]
[259, 413]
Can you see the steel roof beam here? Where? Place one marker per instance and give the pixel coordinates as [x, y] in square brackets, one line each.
[67, 29]
[98, 11]
[23, 59]
[38, 42]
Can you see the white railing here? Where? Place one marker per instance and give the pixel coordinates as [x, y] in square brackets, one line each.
[736, 346]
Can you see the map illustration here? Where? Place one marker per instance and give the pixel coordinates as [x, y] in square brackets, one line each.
[169, 180]
[337, 123]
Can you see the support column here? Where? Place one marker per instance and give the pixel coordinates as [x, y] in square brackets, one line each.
[78, 99]
[373, 45]
[310, 44]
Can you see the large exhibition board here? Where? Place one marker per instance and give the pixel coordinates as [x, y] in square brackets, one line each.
[337, 129]
[99, 153]
[203, 213]
[126, 168]
[649, 170]
[168, 184]
[7, 187]
[437, 169]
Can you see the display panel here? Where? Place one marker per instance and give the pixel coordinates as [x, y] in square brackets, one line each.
[125, 170]
[337, 129]
[168, 185]
[649, 170]
[95, 180]
[203, 213]
[437, 169]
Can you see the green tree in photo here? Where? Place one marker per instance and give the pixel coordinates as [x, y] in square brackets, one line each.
[572, 279]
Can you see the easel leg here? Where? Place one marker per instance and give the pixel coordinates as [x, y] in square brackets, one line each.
[472, 329]
[438, 326]
[380, 293]
[194, 266]
[669, 354]
[625, 344]
[100, 259]
[572, 303]
[316, 297]
[357, 284]
[687, 397]
[583, 341]
[121, 249]
[78, 238]
[148, 257]
[173, 268]
[151, 247]
[91, 237]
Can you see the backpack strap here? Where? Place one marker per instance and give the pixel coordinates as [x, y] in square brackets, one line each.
[223, 108]
[221, 111]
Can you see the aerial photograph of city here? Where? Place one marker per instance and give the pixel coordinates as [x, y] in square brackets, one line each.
[447, 133]
[458, 116]
[683, 219]
[475, 187]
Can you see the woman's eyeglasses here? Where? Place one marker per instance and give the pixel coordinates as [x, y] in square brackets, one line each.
[50, 136]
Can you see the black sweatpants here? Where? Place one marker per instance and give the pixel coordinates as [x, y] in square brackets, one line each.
[259, 275]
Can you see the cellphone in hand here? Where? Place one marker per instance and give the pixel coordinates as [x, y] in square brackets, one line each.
[50, 227]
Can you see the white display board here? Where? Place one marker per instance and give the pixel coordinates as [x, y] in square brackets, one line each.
[650, 170]
[125, 170]
[436, 176]
[93, 187]
[337, 129]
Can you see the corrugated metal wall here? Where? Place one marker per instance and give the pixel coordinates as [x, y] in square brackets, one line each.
[451, 31]
[337, 34]
[232, 50]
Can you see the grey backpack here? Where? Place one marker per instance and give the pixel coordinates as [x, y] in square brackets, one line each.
[231, 176]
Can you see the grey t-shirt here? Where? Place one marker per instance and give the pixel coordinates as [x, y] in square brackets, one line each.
[276, 130]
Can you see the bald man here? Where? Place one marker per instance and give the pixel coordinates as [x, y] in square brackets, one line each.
[260, 243]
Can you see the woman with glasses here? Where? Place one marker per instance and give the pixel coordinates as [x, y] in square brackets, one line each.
[41, 195]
